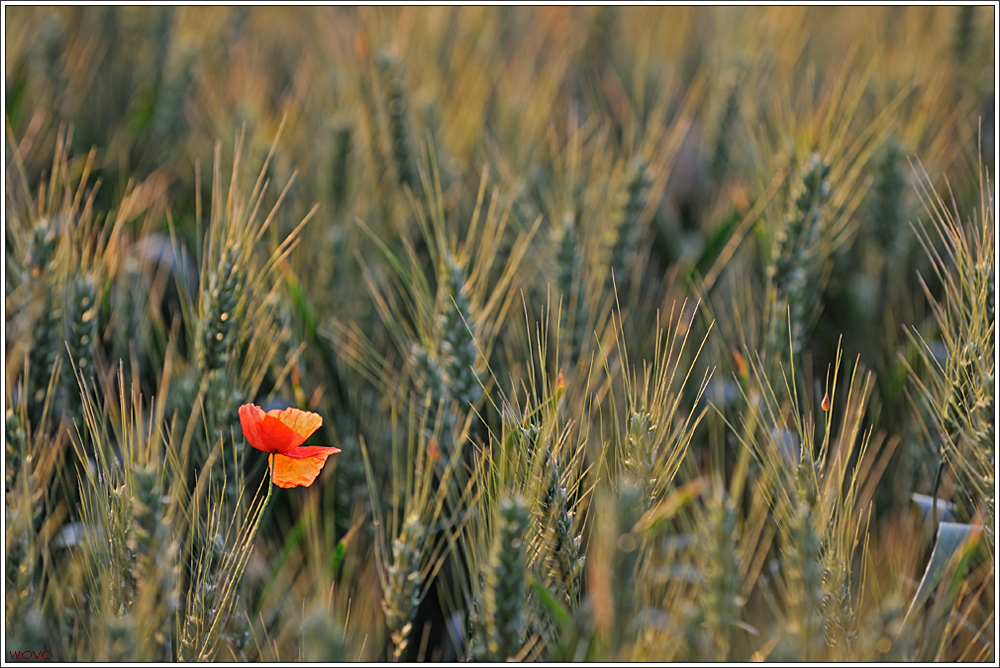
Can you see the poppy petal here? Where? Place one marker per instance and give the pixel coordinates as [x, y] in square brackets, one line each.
[277, 431]
[310, 451]
[302, 423]
[292, 471]
[250, 419]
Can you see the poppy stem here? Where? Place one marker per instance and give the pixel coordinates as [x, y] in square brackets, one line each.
[263, 506]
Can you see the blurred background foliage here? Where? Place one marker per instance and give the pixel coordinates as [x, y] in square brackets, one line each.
[645, 332]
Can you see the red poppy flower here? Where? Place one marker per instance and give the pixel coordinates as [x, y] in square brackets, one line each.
[281, 435]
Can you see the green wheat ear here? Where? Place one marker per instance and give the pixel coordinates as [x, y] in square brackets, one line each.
[802, 562]
[564, 556]
[221, 301]
[641, 455]
[506, 585]
[343, 134]
[629, 234]
[404, 580]
[570, 280]
[429, 377]
[81, 333]
[887, 212]
[42, 248]
[400, 124]
[722, 153]
[625, 560]
[44, 353]
[721, 566]
[458, 346]
[838, 608]
[46, 343]
[792, 269]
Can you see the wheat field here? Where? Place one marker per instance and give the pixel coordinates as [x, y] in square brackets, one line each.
[645, 334]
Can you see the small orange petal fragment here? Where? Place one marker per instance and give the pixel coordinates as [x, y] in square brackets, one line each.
[741, 365]
[360, 45]
[433, 451]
